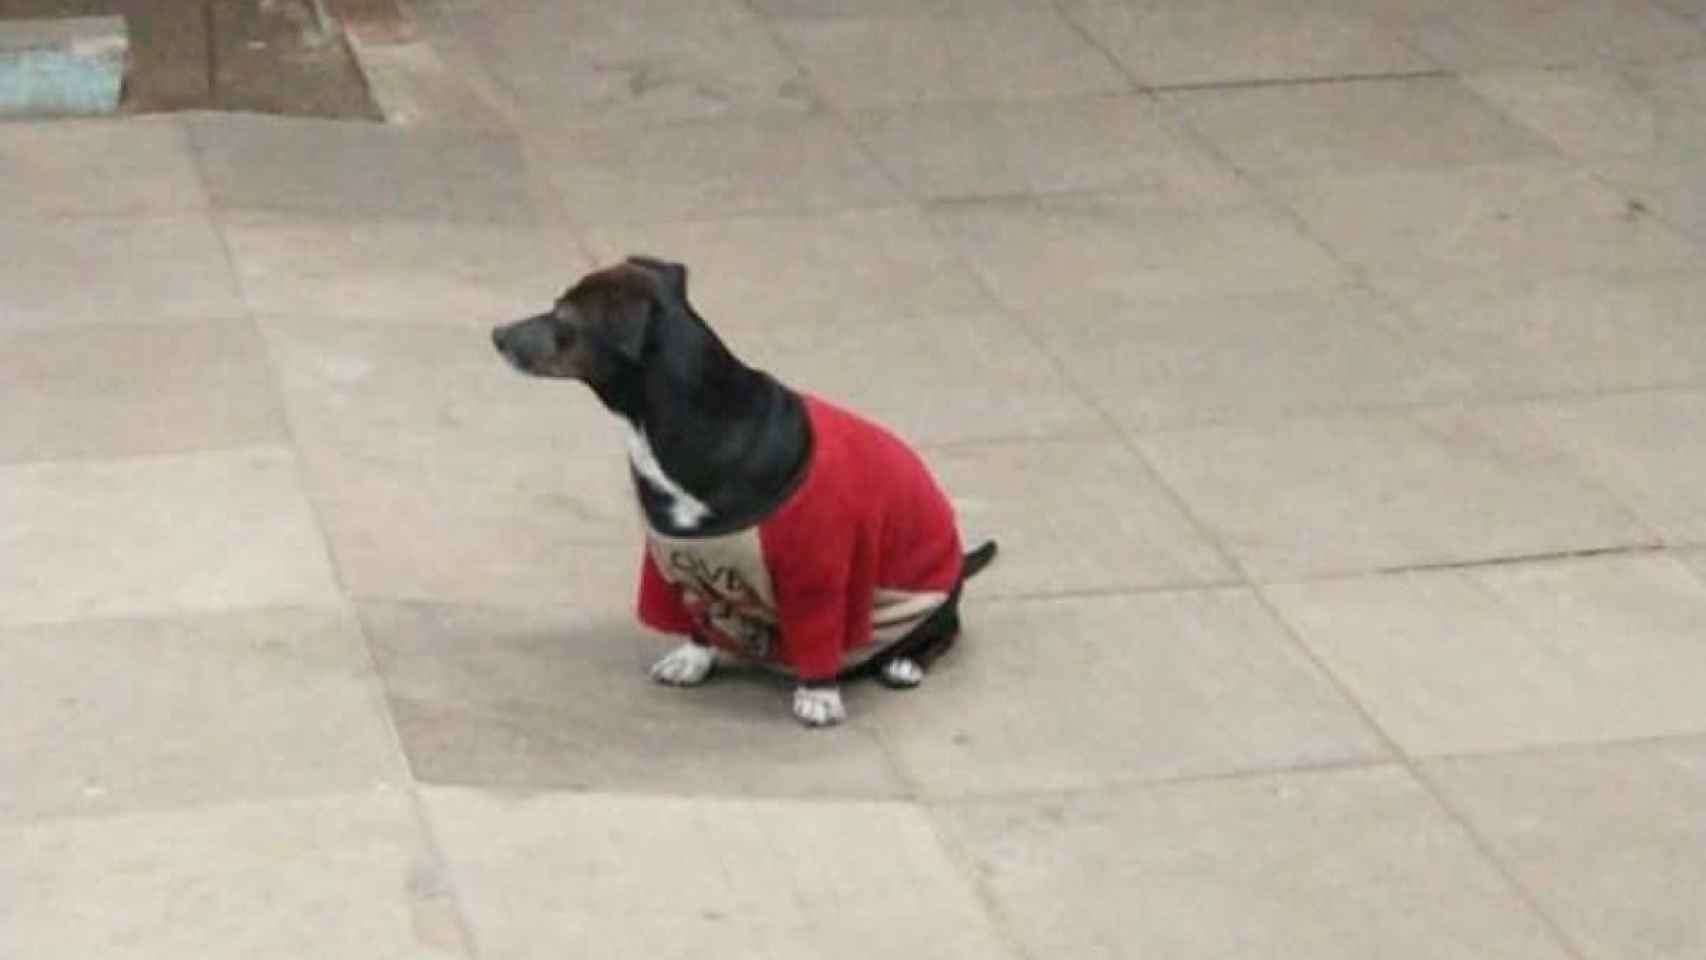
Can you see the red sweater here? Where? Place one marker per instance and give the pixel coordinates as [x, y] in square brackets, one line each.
[862, 550]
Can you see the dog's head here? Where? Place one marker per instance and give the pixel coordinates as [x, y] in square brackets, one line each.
[603, 327]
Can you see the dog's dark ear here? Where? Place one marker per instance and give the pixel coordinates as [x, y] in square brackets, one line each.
[625, 324]
[673, 276]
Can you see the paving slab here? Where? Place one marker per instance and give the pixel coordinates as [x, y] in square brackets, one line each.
[710, 169]
[618, 66]
[544, 870]
[1173, 364]
[1604, 111]
[1642, 127]
[97, 167]
[127, 716]
[1243, 41]
[1087, 254]
[558, 697]
[1115, 527]
[343, 169]
[1346, 494]
[1003, 386]
[506, 488]
[1345, 864]
[1690, 9]
[1285, 131]
[1609, 839]
[400, 272]
[1467, 35]
[847, 268]
[342, 877]
[1490, 226]
[108, 391]
[373, 390]
[63, 273]
[477, 525]
[1088, 692]
[1099, 143]
[1459, 661]
[158, 536]
[1646, 449]
[1570, 334]
[1005, 55]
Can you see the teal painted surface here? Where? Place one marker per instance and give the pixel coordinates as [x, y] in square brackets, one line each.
[55, 81]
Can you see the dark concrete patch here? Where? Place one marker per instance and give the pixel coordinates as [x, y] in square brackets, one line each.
[262, 56]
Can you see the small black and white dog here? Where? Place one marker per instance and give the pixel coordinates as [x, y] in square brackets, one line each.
[779, 528]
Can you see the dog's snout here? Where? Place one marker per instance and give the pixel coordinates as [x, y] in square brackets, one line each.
[529, 345]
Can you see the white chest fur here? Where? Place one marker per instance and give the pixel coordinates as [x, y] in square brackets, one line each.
[685, 510]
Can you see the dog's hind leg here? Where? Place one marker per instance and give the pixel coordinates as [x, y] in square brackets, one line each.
[901, 673]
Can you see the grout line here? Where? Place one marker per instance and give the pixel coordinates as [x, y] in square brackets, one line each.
[1413, 768]
[1505, 871]
[1551, 556]
[1399, 76]
[1138, 590]
[959, 858]
[374, 678]
[822, 107]
[1521, 891]
[1136, 83]
[1144, 784]
[1565, 746]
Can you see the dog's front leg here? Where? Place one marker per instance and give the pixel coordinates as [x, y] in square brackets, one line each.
[687, 665]
[819, 704]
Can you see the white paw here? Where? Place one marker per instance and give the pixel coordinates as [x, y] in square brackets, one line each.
[685, 666]
[819, 706]
[903, 672]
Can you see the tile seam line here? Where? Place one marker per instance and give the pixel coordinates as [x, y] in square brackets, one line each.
[1509, 401]
[1518, 889]
[1590, 166]
[1361, 279]
[950, 799]
[833, 113]
[1110, 423]
[1430, 788]
[340, 606]
[374, 680]
[1002, 925]
[289, 798]
[1269, 83]
[1187, 135]
[1643, 548]
[930, 800]
[1521, 750]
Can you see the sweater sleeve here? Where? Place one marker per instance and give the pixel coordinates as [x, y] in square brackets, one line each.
[660, 607]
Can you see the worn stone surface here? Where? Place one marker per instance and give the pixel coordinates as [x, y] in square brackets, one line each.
[1329, 372]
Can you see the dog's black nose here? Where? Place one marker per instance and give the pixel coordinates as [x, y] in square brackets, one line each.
[498, 337]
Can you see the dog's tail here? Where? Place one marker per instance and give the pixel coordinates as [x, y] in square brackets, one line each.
[976, 559]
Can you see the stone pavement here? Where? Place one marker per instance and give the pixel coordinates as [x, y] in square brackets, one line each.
[1333, 373]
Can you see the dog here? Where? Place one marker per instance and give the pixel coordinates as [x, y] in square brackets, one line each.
[779, 528]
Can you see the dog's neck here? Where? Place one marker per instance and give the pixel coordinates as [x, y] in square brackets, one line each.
[714, 443]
